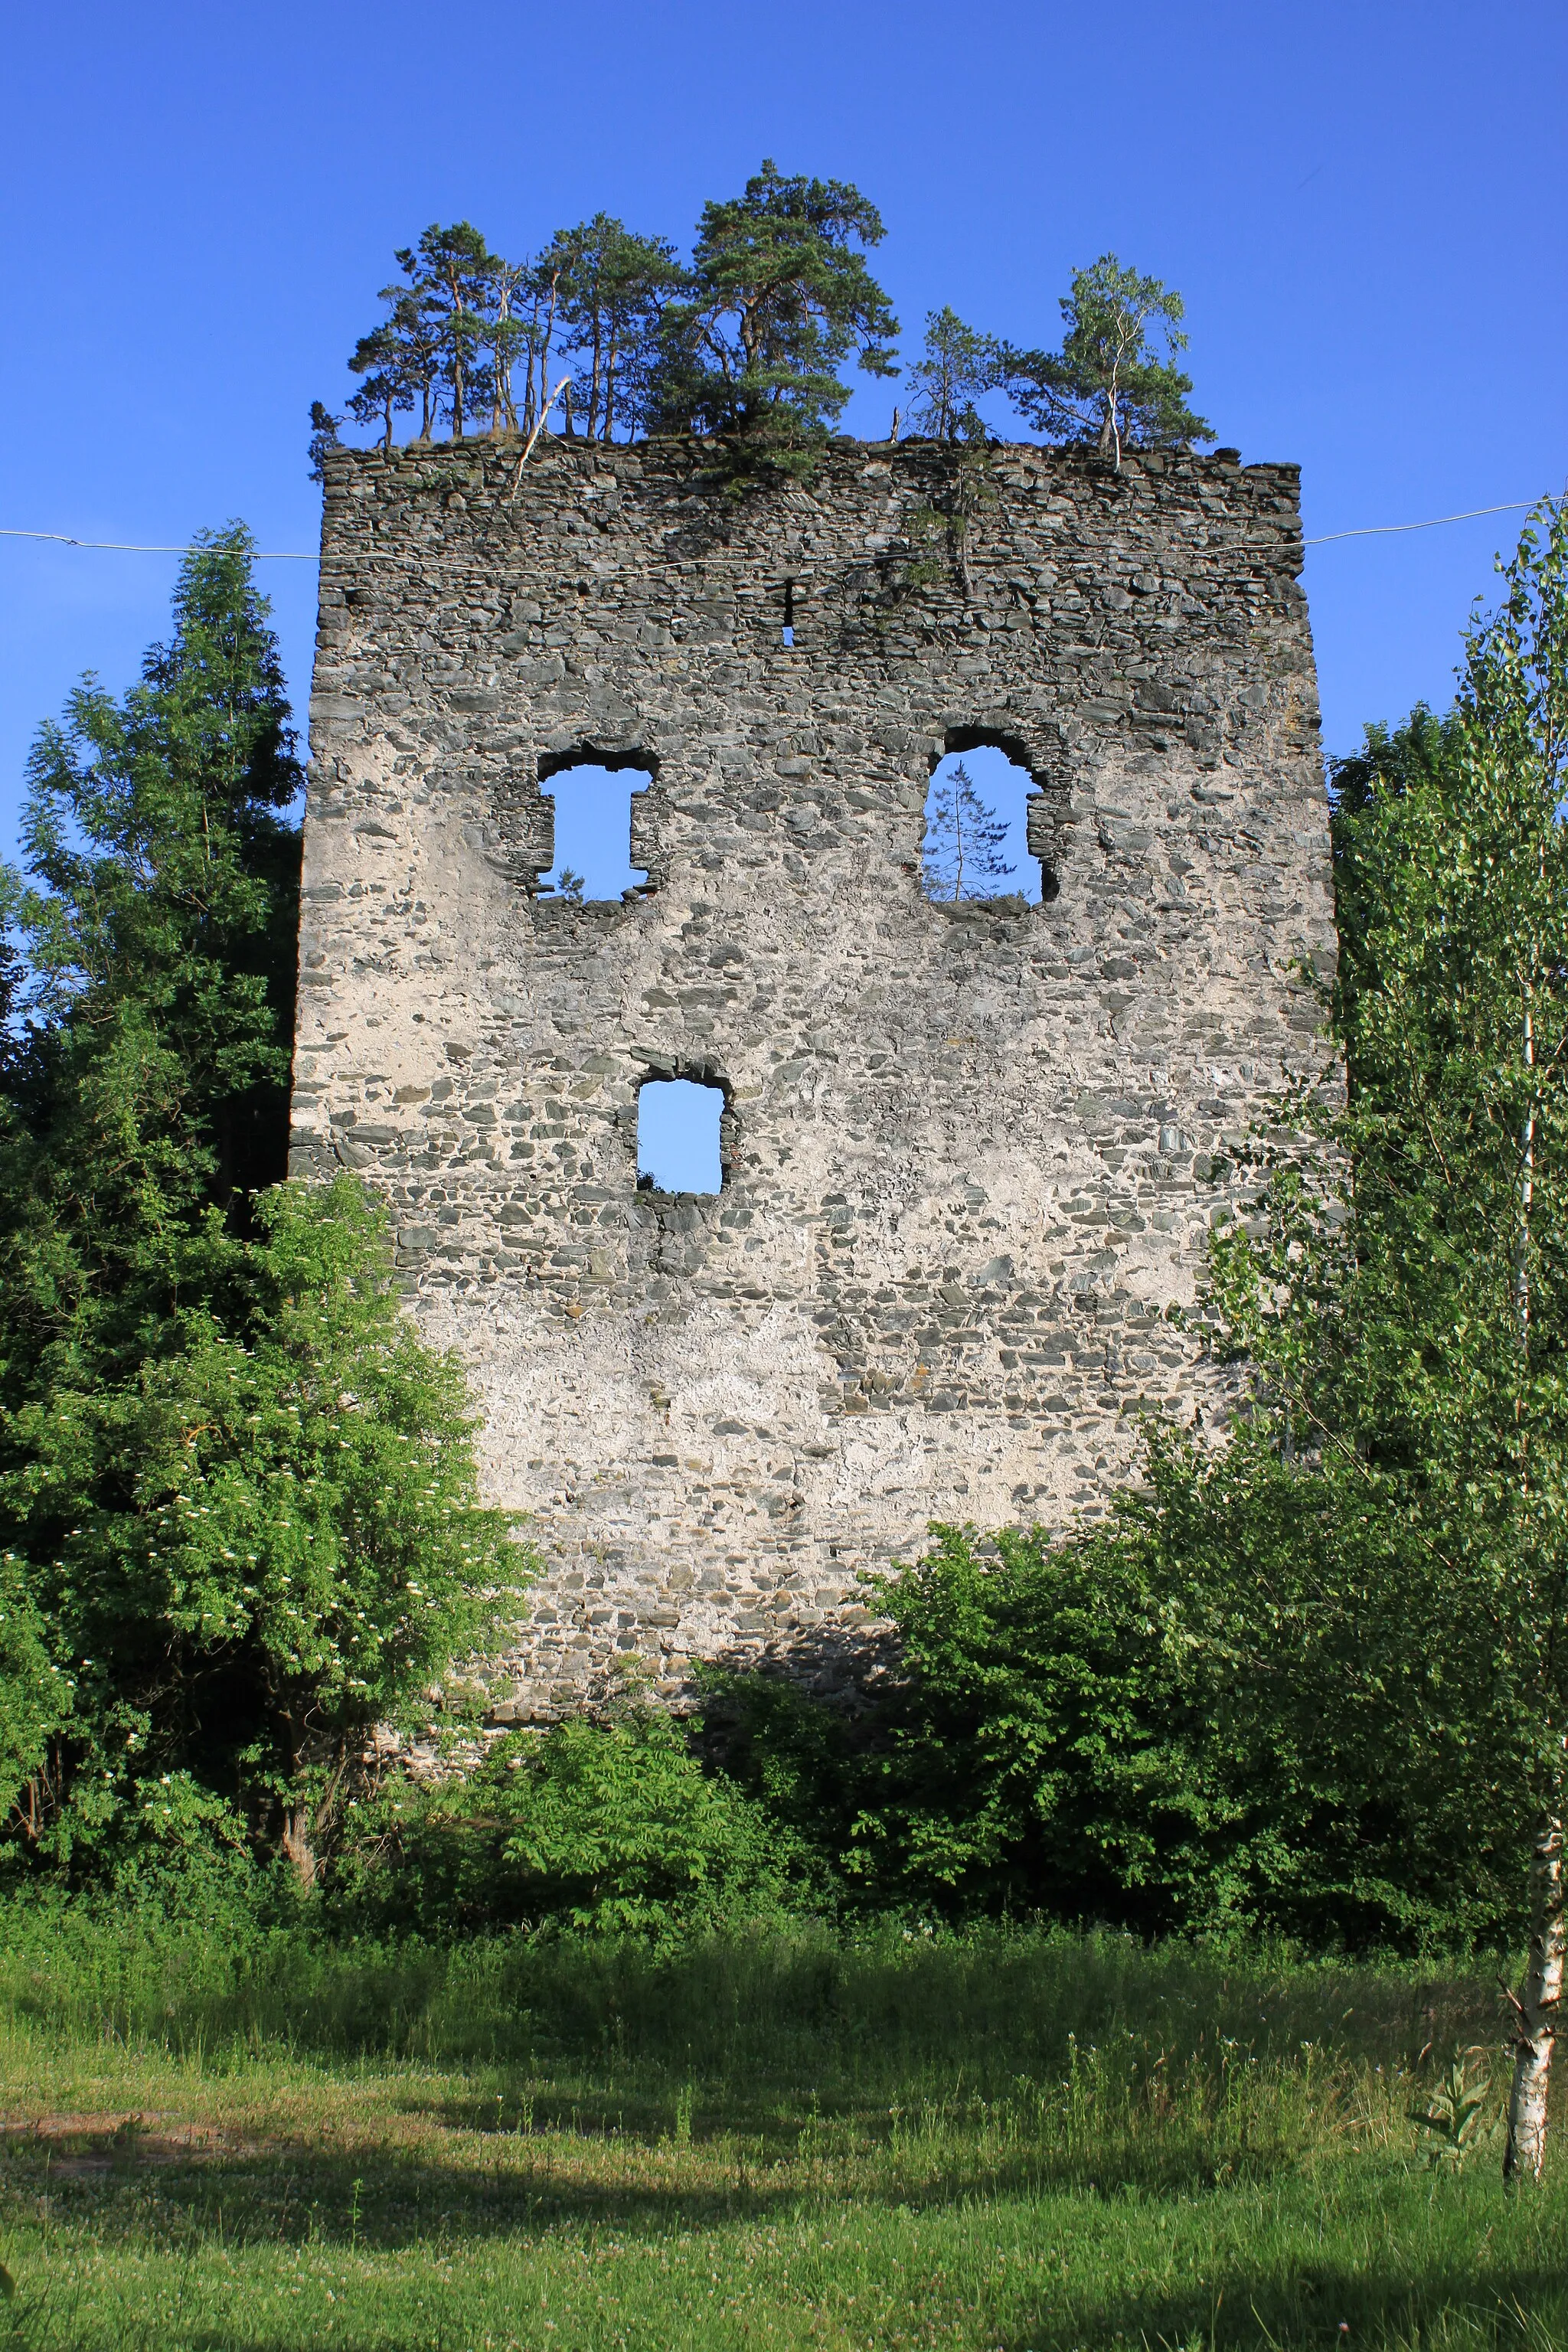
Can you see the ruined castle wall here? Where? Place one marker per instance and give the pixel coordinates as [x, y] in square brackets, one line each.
[972, 1152]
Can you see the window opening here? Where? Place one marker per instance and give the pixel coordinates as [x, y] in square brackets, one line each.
[677, 1135]
[594, 832]
[789, 612]
[976, 841]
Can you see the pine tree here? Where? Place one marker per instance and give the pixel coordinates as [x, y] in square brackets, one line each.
[957, 368]
[780, 297]
[613, 289]
[962, 842]
[323, 436]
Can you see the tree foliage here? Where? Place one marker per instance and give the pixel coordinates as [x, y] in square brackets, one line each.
[615, 290]
[610, 1826]
[780, 296]
[236, 1505]
[1419, 1347]
[1316, 1680]
[956, 367]
[746, 343]
[1108, 384]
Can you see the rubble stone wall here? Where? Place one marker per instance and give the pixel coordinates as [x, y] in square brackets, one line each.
[971, 1152]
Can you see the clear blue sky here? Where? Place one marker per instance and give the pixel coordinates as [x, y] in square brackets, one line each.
[1362, 204]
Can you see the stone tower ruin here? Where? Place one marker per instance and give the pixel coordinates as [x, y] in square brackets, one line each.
[971, 1152]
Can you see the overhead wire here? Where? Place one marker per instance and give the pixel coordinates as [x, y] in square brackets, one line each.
[302, 555]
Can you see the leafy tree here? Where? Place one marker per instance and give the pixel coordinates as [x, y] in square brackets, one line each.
[964, 839]
[306, 1533]
[957, 368]
[1180, 1721]
[1108, 384]
[780, 296]
[610, 1826]
[1415, 1341]
[225, 1462]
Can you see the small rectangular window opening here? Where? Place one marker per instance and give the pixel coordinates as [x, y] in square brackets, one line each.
[678, 1136]
[789, 612]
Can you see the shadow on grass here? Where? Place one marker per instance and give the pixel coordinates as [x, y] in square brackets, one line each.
[1501, 2307]
[293, 2194]
[1523, 2305]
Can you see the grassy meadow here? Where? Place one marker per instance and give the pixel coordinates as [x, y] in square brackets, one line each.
[1016, 2140]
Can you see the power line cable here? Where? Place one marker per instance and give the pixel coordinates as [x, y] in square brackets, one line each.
[301, 555]
[125, 547]
[1377, 529]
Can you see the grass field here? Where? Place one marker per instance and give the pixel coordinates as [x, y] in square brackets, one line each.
[1024, 2140]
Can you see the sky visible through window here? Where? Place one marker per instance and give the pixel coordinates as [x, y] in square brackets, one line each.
[678, 1121]
[677, 1135]
[1004, 788]
[593, 829]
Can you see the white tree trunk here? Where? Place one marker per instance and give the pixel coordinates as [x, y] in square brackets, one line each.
[1536, 2007]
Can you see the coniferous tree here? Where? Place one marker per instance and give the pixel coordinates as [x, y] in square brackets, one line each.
[613, 288]
[964, 839]
[780, 296]
[393, 370]
[236, 1517]
[449, 275]
[323, 436]
[1108, 384]
[956, 369]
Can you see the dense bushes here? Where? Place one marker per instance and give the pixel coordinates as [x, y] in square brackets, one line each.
[237, 1515]
[604, 1828]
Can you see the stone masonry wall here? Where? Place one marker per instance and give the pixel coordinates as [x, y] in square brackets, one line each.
[971, 1152]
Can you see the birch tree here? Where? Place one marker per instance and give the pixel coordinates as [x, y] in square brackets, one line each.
[1413, 1338]
[1109, 383]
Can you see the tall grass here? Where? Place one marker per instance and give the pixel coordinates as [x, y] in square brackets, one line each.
[1019, 2138]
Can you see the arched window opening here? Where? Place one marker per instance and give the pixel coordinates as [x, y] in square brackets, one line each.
[594, 832]
[678, 1136]
[975, 842]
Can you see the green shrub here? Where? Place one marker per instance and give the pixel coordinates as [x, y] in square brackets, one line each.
[1187, 1720]
[603, 1827]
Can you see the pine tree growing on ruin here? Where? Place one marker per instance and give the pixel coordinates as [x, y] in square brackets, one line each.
[613, 289]
[956, 367]
[780, 297]
[449, 274]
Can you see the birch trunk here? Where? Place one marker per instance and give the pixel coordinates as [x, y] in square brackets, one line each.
[1536, 2005]
[1536, 2022]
